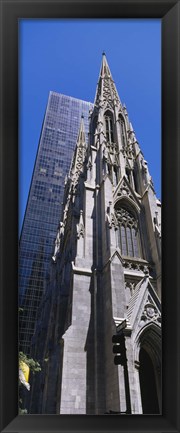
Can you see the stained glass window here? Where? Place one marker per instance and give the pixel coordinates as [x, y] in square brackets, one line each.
[129, 238]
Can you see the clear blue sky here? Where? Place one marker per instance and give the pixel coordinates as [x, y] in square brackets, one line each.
[65, 56]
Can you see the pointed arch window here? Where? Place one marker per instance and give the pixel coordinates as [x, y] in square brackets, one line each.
[109, 128]
[123, 131]
[129, 237]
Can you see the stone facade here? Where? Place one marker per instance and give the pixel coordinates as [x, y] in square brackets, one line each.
[105, 271]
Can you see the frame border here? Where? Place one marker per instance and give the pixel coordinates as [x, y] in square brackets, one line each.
[169, 12]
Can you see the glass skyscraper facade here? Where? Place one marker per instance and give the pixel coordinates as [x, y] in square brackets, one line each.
[43, 210]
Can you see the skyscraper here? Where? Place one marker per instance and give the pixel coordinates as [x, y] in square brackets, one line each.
[98, 337]
[42, 216]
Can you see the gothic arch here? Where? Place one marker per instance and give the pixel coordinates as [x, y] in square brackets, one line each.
[150, 336]
[109, 126]
[147, 350]
[127, 201]
[122, 127]
[121, 115]
[134, 207]
[108, 110]
[129, 231]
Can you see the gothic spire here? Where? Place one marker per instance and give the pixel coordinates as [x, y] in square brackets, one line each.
[81, 141]
[106, 92]
[79, 154]
[105, 71]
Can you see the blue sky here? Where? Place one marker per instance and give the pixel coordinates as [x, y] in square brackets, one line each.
[64, 55]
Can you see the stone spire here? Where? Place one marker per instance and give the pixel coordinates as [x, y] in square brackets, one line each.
[79, 155]
[106, 90]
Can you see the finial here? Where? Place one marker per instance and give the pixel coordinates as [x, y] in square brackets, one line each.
[82, 116]
[103, 53]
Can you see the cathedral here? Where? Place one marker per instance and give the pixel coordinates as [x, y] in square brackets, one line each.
[98, 334]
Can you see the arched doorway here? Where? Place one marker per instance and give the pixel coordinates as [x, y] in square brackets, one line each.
[148, 367]
[148, 386]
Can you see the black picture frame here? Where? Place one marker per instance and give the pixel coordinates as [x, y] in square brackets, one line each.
[169, 12]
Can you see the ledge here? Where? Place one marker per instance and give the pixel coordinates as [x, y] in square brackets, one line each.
[83, 271]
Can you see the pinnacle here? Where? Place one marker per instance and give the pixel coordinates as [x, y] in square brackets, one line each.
[106, 89]
[81, 135]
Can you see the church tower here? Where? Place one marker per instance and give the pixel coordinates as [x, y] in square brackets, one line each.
[106, 274]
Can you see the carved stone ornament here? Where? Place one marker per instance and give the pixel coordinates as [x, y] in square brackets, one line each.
[150, 313]
[80, 227]
[123, 216]
[131, 286]
[136, 266]
[144, 165]
[105, 154]
[124, 190]
[128, 150]
[89, 165]
[111, 218]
